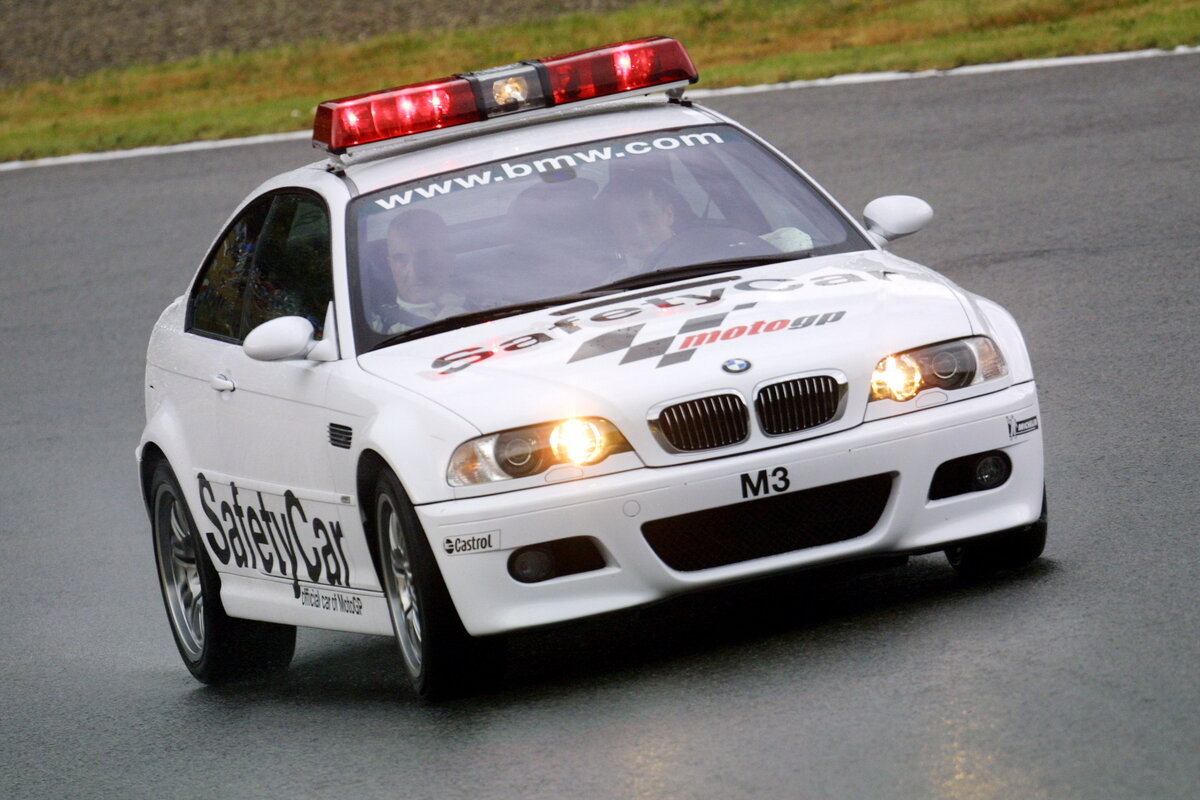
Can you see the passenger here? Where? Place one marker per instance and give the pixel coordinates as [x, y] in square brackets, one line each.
[419, 261]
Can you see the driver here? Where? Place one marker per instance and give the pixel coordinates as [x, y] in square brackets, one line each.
[419, 261]
[645, 213]
[642, 214]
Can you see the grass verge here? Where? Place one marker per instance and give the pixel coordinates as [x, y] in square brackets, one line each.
[732, 42]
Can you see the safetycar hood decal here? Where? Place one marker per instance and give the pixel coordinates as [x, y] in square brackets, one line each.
[837, 312]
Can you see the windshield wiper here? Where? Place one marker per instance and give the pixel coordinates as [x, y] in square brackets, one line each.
[695, 271]
[632, 282]
[476, 317]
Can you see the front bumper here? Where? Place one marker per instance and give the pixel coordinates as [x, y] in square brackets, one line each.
[611, 509]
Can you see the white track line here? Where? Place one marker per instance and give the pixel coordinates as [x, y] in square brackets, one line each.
[975, 69]
[137, 152]
[837, 80]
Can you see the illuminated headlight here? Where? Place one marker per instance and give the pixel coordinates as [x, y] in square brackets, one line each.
[522, 452]
[949, 365]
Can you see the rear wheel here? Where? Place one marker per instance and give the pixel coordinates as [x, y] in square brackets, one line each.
[215, 647]
[441, 658]
[1006, 550]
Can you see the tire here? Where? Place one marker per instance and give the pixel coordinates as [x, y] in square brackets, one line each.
[442, 660]
[215, 647]
[1005, 550]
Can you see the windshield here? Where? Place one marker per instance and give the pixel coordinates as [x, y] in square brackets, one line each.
[508, 234]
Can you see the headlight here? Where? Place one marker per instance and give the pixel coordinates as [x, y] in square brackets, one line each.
[522, 452]
[949, 365]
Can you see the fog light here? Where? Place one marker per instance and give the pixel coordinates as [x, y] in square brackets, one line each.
[991, 470]
[531, 565]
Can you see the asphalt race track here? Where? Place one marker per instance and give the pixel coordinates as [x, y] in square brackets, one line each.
[1070, 195]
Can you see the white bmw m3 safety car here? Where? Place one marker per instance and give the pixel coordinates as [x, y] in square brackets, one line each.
[547, 341]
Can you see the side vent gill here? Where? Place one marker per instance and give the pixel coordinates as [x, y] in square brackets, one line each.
[340, 435]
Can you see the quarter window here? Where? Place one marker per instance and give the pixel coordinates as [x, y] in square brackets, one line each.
[291, 275]
[220, 294]
[274, 261]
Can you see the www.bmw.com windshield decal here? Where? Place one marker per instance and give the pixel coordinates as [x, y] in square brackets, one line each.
[549, 165]
[695, 331]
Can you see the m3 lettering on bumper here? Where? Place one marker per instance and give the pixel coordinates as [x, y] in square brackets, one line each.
[765, 482]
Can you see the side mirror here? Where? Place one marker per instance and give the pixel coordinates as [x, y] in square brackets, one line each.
[280, 338]
[896, 215]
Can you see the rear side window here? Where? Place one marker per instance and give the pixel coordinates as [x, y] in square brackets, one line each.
[273, 261]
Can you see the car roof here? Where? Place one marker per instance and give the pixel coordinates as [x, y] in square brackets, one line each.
[466, 147]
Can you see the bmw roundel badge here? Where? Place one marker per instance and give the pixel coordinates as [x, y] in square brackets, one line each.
[736, 365]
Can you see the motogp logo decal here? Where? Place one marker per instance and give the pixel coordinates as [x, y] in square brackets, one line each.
[698, 331]
[663, 349]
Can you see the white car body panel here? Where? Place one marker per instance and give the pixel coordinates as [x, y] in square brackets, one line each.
[612, 508]
[279, 509]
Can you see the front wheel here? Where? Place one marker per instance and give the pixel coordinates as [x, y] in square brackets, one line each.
[441, 658]
[1006, 550]
[215, 647]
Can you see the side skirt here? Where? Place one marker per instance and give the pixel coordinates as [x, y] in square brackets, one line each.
[318, 606]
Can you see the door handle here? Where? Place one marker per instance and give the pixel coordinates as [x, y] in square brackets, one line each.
[221, 383]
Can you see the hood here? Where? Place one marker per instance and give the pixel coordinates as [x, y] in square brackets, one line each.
[621, 356]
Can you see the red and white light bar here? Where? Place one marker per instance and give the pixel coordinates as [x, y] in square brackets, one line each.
[585, 75]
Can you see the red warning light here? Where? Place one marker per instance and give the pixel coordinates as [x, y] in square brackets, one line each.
[618, 68]
[528, 85]
[395, 112]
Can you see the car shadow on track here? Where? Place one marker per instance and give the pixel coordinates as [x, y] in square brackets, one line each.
[717, 629]
[709, 629]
